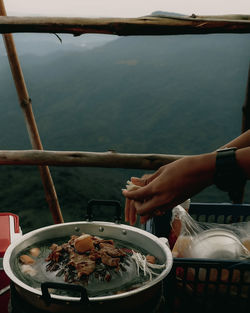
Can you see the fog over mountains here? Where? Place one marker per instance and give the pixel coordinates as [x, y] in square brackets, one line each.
[161, 87]
[45, 44]
[145, 94]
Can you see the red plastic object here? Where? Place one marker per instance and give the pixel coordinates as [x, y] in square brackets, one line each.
[9, 232]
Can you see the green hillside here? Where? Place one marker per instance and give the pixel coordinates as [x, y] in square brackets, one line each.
[161, 94]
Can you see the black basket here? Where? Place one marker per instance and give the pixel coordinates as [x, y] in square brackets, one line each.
[202, 285]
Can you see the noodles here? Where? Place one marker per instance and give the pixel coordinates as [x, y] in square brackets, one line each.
[146, 267]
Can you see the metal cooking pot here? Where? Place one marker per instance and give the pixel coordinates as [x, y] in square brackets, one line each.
[129, 300]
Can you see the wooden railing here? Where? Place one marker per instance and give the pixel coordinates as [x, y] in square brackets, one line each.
[86, 159]
[146, 25]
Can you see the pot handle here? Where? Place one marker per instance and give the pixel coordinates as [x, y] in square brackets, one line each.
[47, 297]
[95, 202]
[164, 240]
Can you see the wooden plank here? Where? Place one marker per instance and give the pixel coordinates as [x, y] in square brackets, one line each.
[110, 159]
[147, 25]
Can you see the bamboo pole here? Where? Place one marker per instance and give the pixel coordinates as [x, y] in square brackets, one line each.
[108, 159]
[146, 25]
[245, 126]
[246, 106]
[25, 102]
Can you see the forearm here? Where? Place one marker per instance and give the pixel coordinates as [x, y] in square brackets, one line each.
[243, 159]
[204, 168]
[242, 141]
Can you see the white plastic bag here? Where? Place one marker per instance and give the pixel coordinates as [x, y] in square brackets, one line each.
[210, 240]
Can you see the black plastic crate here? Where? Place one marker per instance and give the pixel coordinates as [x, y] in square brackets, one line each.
[201, 285]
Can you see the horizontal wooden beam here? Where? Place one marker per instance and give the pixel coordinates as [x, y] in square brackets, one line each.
[110, 159]
[146, 25]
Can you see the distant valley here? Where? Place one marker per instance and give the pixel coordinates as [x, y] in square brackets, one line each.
[162, 94]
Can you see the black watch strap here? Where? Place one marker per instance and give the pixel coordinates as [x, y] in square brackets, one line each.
[228, 175]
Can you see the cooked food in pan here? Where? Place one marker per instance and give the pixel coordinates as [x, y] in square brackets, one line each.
[101, 265]
[82, 255]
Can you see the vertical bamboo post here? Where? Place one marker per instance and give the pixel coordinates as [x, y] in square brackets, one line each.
[244, 127]
[245, 121]
[25, 102]
[246, 107]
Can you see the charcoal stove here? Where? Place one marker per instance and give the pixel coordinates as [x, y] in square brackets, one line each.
[152, 302]
[18, 305]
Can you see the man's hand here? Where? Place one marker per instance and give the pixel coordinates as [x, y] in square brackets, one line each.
[169, 186]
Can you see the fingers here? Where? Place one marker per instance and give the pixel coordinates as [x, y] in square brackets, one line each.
[145, 179]
[132, 213]
[153, 206]
[144, 219]
[134, 196]
[138, 181]
[141, 193]
[130, 210]
[127, 209]
[146, 211]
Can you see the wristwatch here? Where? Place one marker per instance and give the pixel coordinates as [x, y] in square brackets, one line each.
[228, 174]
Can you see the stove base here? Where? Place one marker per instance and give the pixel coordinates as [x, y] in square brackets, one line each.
[19, 305]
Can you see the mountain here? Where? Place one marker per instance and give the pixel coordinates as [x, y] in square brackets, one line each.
[145, 94]
[45, 44]
[166, 14]
[162, 87]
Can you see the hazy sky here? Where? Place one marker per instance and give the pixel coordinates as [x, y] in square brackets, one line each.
[124, 8]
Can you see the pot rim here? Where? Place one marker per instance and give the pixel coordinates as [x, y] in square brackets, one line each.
[158, 241]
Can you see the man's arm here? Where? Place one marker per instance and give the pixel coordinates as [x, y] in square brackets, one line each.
[242, 141]
[243, 159]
